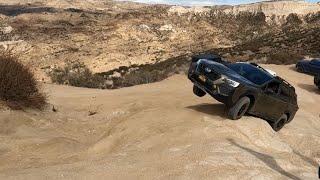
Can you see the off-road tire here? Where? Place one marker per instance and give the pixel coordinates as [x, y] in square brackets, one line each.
[317, 81]
[239, 109]
[279, 124]
[198, 92]
[300, 69]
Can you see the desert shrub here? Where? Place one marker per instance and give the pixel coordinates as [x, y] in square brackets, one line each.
[76, 74]
[252, 19]
[219, 17]
[140, 77]
[18, 86]
[293, 19]
[273, 20]
[284, 57]
[146, 73]
[312, 17]
[259, 18]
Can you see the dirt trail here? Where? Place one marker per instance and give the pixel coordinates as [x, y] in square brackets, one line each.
[157, 131]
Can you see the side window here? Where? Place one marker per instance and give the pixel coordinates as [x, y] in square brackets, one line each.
[284, 92]
[315, 62]
[273, 88]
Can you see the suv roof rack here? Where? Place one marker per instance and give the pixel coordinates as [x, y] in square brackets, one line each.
[285, 82]
[277, 77]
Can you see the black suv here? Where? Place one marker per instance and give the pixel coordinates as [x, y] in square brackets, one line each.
[244, 88]
[317, 80]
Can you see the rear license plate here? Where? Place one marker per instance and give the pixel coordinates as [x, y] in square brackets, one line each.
[202, 78]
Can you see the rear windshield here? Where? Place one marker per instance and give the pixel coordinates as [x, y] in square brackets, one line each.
[250, 72]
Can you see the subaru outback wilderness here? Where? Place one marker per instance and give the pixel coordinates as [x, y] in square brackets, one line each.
[244, 88]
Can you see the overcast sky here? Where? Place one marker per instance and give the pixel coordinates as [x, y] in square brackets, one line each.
[203, 2]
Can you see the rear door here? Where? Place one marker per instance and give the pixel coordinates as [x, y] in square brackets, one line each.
[269, 104]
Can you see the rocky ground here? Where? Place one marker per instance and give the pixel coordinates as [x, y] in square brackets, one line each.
[157, 131]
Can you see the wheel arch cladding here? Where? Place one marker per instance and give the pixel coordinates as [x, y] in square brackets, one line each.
[252, 100]
[288, 115]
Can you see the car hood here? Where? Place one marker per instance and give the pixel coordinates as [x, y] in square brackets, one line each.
[224, 70]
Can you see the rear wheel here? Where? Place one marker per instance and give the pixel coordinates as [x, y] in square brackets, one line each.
[199, 92]
[317, 81]
[278, 125]
[239, 109]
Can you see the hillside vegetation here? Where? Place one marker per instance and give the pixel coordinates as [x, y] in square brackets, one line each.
[119, 39]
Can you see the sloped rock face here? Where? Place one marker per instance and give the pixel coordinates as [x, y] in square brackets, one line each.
[279, 8]
[178, 10]
[277, 11]
[88, 4]
[106, 35]
[158, 130]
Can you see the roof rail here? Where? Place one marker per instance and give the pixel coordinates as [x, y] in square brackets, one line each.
[286, 82]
